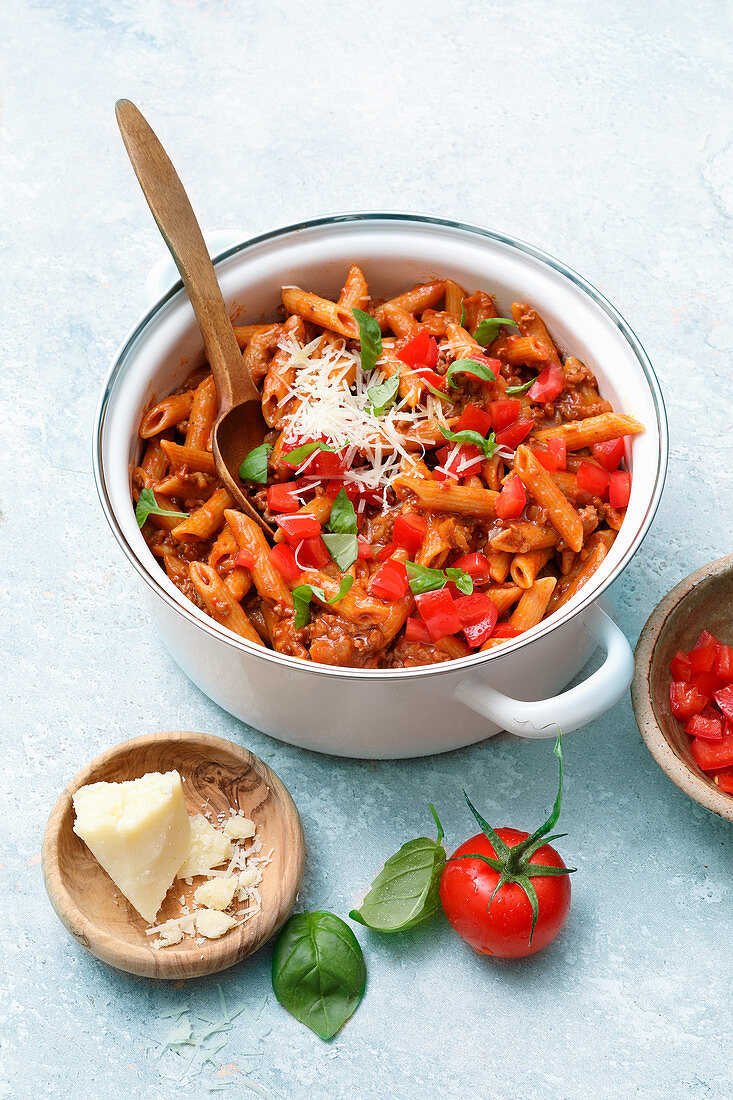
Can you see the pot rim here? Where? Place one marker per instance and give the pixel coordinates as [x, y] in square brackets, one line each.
[463, 664]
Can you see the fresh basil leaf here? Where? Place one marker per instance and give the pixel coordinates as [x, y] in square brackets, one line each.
[489, 329]
[304, 593]
[343, 549]
[487, 445]
[318, 971]
[254, 467]
[424, 579]
[437, 393]
[370, 337]
[405, 892]
[383, 395]
[469, 366]
[463, 316]
[462, 580]
[147, 505]
[299, 455]
[524, 387]
[342, 520]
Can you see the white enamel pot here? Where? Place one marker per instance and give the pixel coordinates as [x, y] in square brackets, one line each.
[389, 713]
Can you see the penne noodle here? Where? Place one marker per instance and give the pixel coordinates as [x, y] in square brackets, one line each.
[531, 325]
[220, 603]
[499, 565]
[447, 496]
[454, 295]
[206, 520]
[478, 307]
[238, 583]
[155, 460]
[249, 536]
[356, 291]
[504, 596]
[166, 414]
[402, 323]
[595, 429]
[545, 492]
[245, 333]
[582, 570]
[533, 604]
[525, 567]
[319, 311]
[188, 458]
[259, 351]
[202, 416]
[415, 300]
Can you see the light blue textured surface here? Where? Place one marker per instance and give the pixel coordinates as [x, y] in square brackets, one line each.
[600, 133]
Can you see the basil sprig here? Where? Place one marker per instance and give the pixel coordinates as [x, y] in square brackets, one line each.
[524, 387]
[405, 892]
[463, 316]
[147, 505]
[488, 445]
[304, 593]
[383, 395]
[318, 971]
[370, 337]
[489, 328]
[469, 366]
[299, 455]
[342, 542]
[424, 579]
[254, 467]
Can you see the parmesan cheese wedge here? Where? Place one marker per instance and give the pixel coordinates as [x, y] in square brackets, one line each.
[139, 832]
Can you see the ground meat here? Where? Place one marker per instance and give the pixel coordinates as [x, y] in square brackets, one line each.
[335, 641]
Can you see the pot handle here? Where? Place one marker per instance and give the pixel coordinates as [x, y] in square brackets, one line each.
[165, 273]
[572, 709]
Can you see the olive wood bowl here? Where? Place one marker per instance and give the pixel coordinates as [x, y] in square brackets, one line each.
[702, 600]
[218, 775]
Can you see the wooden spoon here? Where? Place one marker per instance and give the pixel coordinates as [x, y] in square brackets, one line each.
[219, 776]
[240, 426]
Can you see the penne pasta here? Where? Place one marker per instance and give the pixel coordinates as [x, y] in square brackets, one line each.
[166, 414]
[533, 604]
[596, 429]
[545, 492]
[220, 603]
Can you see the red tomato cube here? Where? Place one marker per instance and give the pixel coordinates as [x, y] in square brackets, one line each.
[609, 454]
[504, 413]
[558, 447]
[416, 631]
[439, 613]
[476, 565]
[712, 755]
[592, 479]
[724, 663]
[548, 386]
[619, 489]
[710, 729]
[245, 559]
[313, 553]
[702, 658]
[409, 532]
[283, 497]
[282, 557]
[724, 699]
[679, 666]
[474, 419]
[515, 434]
[512, 499]
[478, 615]
[685, 700]
[298, 527]
[390, 581]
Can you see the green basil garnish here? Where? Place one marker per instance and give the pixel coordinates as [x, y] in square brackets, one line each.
[383, 395]
[344, 549]
[436, 392]
[405, 892]
[463, 315]
[524, 387]
[370, 337]
[254, 467]
[304, 593]
[487, 445]
[424, 579]
[489, 328]
[147, 505]
[318, 971]
[469, 366]
[342, 520]
[299, 455]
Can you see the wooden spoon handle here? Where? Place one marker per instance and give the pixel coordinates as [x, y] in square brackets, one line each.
[177, 222]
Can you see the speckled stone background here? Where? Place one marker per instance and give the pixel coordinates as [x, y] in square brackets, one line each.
[602, 134]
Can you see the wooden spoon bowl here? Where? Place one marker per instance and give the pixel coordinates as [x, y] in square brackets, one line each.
[702, 600]
[219, 775]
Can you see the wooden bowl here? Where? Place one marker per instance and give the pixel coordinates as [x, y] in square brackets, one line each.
[702, 600]
[218, 775]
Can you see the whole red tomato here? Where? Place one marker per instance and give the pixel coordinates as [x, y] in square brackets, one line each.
[502, 925]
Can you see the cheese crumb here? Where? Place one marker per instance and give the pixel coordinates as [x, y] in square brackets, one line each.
[212, 924]
[208, 849]
[239, 828]
[217, 893]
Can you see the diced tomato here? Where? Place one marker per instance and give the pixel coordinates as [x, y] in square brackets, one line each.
[333, 488]
[679, 666]
[506, 630]
[512, 436]
[476, 565]
[592, 479]
[707, 683]
[245, 559]
[461, 462]
[478, 615]
[558, 447]
[282, 557]
[409, 532]
[504, 413]
[724, 663]
[706, 638]
[283, 497]
[685, 700]
[298, 527]
[702, 658]
[386, 551]
[431, 378]
[494, 365]
[422, 349]
[712, 755]
[390, 581]
[327, 464]
[609, 454]
[725, 782]
[549, 385]
[364, 549]
[416, 631]
[710, 729]
[545, 458]
[619, 489]
[474, 419]
[439, 613]
[512, 499]
[313, 553]
[724, 699]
